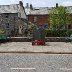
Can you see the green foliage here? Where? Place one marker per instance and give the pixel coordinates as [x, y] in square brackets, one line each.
[1, 31]
[2, 34]
[31, 27]
[59, 18]
[58, 33]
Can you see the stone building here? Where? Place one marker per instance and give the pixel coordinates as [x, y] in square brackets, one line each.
[13, 19]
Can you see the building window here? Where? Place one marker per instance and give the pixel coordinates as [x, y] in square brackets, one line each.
[20, 26]
[6, 15]
[19, 14]
[35, 19]
[14, 18]
[27, 17]
[7, 25]
[46, 25]
[69, 26]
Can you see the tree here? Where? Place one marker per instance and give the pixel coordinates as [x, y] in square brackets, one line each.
[59, 18]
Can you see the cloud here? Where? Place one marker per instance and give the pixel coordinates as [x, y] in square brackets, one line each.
[12, 1]
[67, 3]
[15, 1]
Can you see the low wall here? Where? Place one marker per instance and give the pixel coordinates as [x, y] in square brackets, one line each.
[29, 39]
[57, 39]
[20, 39]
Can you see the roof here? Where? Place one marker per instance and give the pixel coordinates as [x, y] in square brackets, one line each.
[37, 11]
[69, 8]
[43, 10]
[13, 8]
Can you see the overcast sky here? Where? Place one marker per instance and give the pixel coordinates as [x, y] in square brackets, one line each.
[38, 3]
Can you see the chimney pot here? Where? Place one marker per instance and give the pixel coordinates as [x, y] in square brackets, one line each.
[27, 5]
[56, 4]
[21, 3]
[31, 7]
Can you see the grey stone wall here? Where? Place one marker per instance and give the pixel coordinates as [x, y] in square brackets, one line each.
[11, 23]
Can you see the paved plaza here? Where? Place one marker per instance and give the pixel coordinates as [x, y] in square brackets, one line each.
[50, 47]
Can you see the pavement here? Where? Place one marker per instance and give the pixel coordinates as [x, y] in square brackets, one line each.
[26, 47]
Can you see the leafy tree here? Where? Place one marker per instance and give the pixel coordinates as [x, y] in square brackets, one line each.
[59, 18]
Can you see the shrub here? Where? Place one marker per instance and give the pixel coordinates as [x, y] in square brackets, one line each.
[58, 33]
[2, 31]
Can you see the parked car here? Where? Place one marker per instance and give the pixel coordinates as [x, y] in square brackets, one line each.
[70, 38]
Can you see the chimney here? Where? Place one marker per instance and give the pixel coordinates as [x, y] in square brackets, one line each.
[31, 7]
[27, 5]
[21, 3]
[56, 4]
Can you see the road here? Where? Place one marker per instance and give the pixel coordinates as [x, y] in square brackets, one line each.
[14, 62]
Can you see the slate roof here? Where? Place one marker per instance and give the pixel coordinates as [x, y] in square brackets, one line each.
[13, 8]
[37, 11]
[69, 8]
[43, 10]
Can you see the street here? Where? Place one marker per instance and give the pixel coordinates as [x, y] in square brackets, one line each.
[35, 62]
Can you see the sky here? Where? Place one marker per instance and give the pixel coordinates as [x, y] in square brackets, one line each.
[38, 3]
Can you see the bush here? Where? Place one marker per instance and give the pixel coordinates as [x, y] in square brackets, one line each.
[58, 33]
[1, 31]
